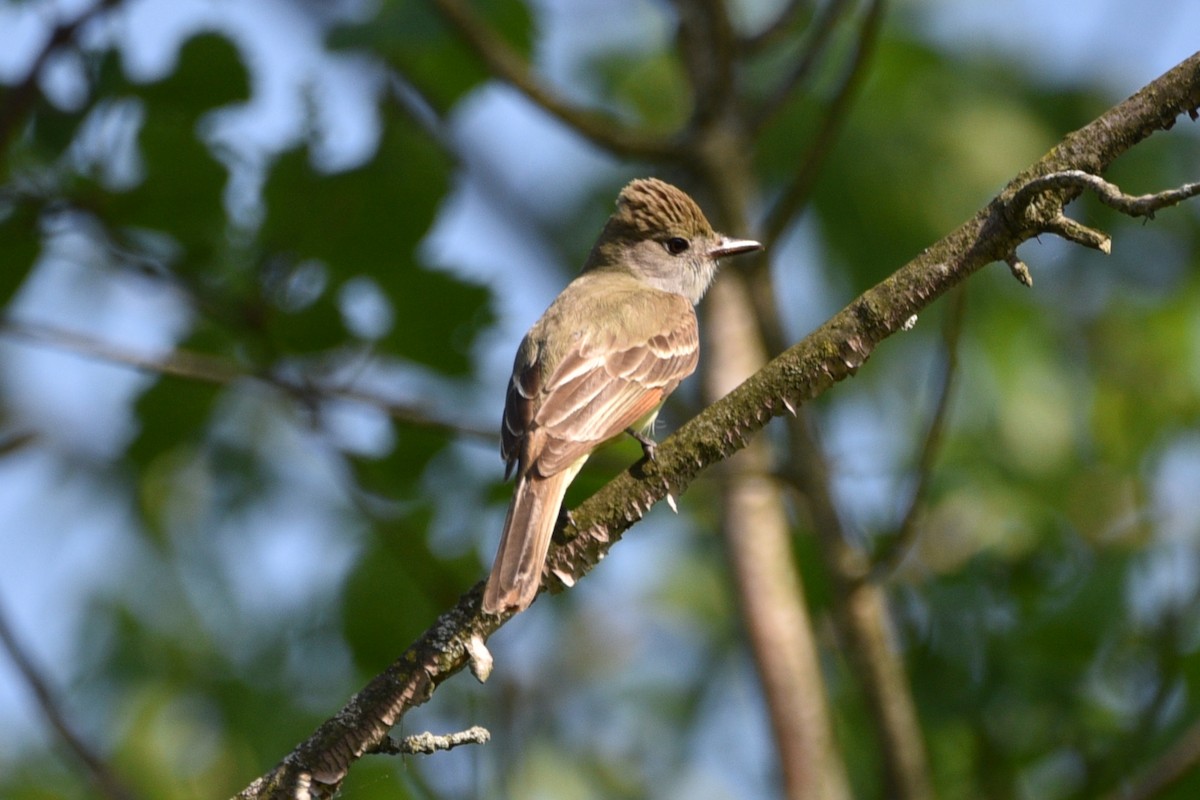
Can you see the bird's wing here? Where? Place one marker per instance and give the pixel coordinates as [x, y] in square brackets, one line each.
[604, 383]
[520, 404]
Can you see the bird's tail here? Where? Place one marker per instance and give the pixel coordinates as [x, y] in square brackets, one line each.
[517, 570]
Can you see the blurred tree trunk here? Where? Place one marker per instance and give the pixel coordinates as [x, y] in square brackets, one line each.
[766, 582]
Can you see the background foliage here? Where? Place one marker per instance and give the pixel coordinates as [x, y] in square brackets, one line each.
[263, 273]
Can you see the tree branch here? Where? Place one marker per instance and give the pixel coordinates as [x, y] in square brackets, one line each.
[758, 539]
[16, 102]
[1108, 193]
[779, 631]
[776, 28]
[1179, 760]
[864, 624]
[427, 743]
[819, 34]
[101, 775]
[833, 352]
[893, 551]
[205, 368]
[754, 526]
[507, 65]
[861, 610]
[707, 47]
[795, 195]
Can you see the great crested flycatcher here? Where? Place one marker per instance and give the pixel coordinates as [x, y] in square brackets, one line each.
[603, 357]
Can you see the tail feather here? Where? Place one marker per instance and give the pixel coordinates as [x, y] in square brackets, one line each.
[517, 571]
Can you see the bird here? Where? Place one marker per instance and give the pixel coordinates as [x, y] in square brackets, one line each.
[600, 362]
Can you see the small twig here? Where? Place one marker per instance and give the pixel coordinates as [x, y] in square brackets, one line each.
[795, 196]
[12, 442]
[776, 28]
[1110, 194]
[16, 103]
[707, 48]
[861, 617]
[428, 743]
[1073, 231]
[416, 104]
[1073, 181]
[820, 34]
[211, 369]
[98, 771]
[899, 544]
[1176, 763]
[179, 364]
[1024, 204]
[1019, 269]
[507, 65]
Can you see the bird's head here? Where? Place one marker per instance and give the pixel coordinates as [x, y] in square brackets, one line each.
[660, 235]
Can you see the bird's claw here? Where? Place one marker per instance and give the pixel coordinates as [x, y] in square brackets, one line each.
[649, 446]
[565, 518]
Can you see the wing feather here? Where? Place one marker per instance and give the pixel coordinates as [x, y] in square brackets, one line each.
[520, 404]
[601, 388]
[558, 409]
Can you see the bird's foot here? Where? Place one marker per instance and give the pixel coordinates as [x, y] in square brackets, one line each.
[649, 446]
[565, 519]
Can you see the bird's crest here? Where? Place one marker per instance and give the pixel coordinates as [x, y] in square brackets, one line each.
[648, 207]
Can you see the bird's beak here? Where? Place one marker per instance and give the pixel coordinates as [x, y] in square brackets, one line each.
[733, 247]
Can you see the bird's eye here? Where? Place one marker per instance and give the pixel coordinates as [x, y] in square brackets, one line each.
[677, 245]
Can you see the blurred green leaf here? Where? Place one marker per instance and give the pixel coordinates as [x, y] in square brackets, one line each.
[20, 244]
[651, 88]
[929, 140]
[181, 194]
[395, 474]
[369, 220]
[414, 38]
[398, 586]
